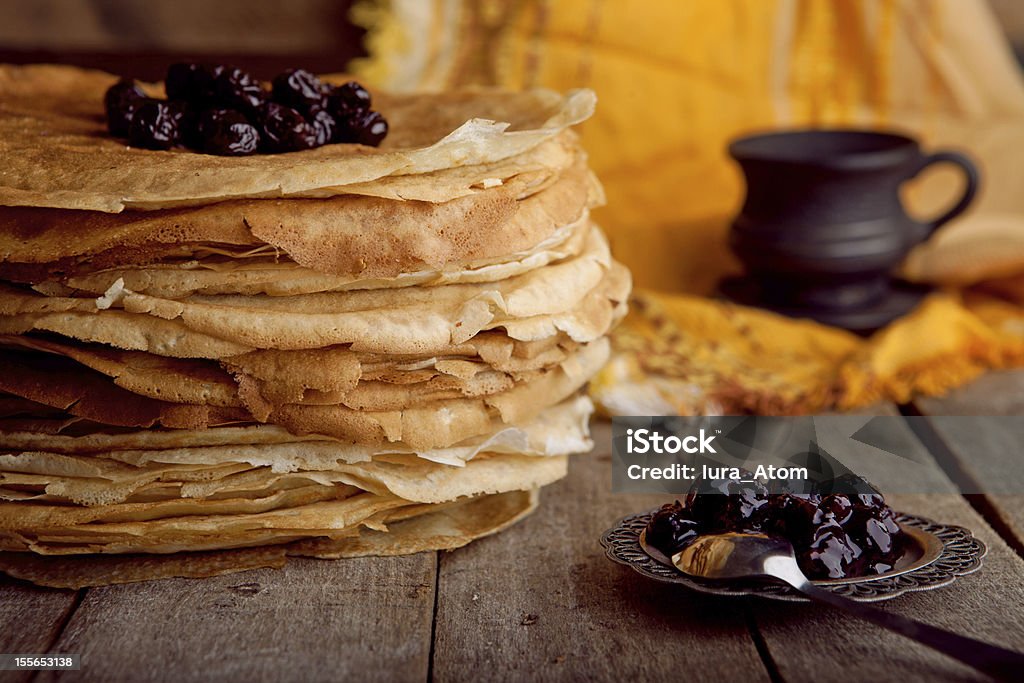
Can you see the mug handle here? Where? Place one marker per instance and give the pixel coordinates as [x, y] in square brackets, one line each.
[971, 175]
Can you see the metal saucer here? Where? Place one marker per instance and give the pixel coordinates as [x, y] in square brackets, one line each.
[936, 556]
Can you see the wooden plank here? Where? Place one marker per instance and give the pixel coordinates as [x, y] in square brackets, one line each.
[315, 620]
[985, 437]
[30, 619]
[540, 601]
[994, 393]
[987, 449]
[812, 643]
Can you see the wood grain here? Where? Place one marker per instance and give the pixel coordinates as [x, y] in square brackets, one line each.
[984, 434]
[366, 619]
[30, 619]
[988, 452]
[541, 602]
[812, 643]
[994, 393]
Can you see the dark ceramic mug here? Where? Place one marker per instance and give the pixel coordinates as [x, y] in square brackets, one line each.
[822, 226]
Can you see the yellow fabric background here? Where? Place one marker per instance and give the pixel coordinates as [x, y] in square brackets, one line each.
[676, 81]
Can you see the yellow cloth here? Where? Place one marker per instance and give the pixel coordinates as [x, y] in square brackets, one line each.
[677, 80]
[682, 354]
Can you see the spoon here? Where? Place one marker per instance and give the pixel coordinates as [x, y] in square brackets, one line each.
[749, 556]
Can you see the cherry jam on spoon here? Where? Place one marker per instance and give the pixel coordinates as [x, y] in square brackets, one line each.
[736, 556]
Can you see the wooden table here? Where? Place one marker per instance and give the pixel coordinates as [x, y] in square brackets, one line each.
[540, 601]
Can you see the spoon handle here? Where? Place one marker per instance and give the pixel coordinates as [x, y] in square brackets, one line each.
[995, 661]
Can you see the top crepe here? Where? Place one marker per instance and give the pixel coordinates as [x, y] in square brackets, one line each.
[57, 152]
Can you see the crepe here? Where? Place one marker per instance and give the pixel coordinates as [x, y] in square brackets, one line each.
[60, 384]
[559, 430]
[201, 382]
[386, 384]
[334, 520]
[175, 491]
[442, 528]
[399, 321]
[257, 506]
[348, 237]
[596, 313]
[57, 152]
[275, 275]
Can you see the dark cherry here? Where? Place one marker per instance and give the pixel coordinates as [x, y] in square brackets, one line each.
[831, 555]
[282, 129]
[191, 81]
[777, 512]
[155, 125]
[188, 115]
[347, 99]
[365, 129]
[877, 532]
[324, 124]
[670, 530]
[727, 504]
[878, 537]
[228, 133]
[121, 100]
[874, 501]
[837, 506]
[237, 89]
[298, 89]
[889, 518]
[791, 516]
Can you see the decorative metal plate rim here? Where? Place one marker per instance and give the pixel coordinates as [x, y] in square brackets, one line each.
[962, 554]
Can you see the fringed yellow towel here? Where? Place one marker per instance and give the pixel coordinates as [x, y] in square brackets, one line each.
[680, 354]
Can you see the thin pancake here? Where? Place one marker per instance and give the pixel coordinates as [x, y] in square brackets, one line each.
[202, 382]
[352, 237]
[60, 383]
[406, 320]
[441, 528]
[559, 430]
[278, 276]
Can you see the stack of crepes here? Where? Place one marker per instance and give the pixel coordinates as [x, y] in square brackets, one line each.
[211, 363]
